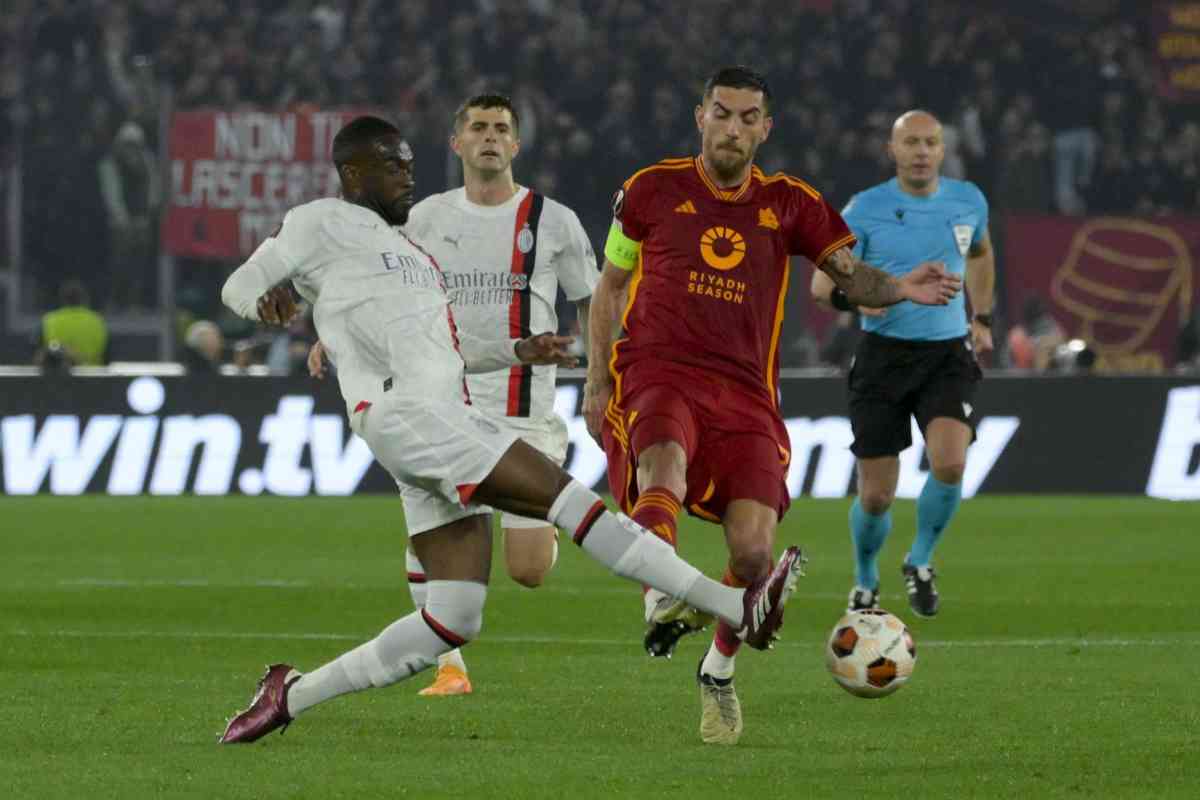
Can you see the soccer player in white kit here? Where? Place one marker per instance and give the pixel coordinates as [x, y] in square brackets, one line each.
[382, 312]
[505, 250]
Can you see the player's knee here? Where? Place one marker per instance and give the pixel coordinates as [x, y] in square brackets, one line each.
[457, 607]
[949, 473]
[876, 501]
[528, 575]
[751, 564]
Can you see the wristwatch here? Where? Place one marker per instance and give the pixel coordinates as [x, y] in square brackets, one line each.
[984, 319]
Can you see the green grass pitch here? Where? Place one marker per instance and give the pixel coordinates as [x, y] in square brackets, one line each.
[1065, 662]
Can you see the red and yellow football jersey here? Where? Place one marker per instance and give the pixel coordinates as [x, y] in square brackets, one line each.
[711, 266]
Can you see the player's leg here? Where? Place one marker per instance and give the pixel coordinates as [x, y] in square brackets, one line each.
[457, 560]
[945, 413]
[649, 440]
[530, 545]
[662, 463]
[526, 482]
[423, 512]
[750, 536]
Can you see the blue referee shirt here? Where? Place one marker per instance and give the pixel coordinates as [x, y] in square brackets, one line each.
[897, 231]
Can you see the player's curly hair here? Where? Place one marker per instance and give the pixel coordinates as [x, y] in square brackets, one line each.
[740, 76]
[485, 101]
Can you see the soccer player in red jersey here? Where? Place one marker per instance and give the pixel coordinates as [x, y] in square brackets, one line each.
[685, 401]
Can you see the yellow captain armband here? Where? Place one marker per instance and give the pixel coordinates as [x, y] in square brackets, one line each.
[619, 248]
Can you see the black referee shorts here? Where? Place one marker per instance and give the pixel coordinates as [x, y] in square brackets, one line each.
[894, 379]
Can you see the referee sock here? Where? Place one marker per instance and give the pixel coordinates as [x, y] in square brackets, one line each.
[869, 532]
[633, 552]
[935, 507]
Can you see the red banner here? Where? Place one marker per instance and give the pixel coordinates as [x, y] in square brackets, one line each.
[234, 175]
[1126, 286]
[1175, 30]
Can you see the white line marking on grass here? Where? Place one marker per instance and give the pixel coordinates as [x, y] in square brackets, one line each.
[180, 583]
[1172, 640]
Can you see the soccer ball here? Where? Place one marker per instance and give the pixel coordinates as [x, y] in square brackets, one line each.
[870, 653]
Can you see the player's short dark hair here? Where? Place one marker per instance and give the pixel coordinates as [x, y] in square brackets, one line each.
[356, 134]
[485, 101]
[740, 77]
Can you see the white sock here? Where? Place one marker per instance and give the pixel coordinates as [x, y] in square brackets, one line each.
[632, 552]
[452, 659]
[416, 578]
[453, 616]
[403, 649]
[650, 601]
[716, 663]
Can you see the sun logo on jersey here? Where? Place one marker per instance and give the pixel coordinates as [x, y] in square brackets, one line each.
[722, 248]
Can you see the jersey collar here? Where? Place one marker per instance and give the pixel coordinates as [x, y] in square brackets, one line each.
[728, 195]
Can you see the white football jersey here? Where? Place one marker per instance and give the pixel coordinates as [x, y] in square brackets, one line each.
[503, 266]
[379, 301]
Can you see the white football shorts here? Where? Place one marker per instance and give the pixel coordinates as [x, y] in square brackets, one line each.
[427, 508]
[437, 454]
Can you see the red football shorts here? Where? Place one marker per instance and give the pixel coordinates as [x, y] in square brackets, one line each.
[735, 440]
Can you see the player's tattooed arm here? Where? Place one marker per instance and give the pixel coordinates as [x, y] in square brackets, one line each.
[927, 283]
[863, 284]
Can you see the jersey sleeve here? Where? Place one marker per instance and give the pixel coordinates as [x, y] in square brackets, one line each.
[280, 257]
[981, 204]
[853, 217]
[817, 229]
[629, 226]
[576, 263]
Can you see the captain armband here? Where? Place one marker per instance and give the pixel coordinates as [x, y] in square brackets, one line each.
[619, 248]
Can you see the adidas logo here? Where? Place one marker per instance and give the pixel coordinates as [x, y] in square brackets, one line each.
[685, 207]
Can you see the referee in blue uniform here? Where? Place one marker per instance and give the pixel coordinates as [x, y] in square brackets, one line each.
[916, 361]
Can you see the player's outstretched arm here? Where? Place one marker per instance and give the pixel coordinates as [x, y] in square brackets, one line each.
[259, 288]
[824, 293]
[607, 301]
[489, 355]
[928, 283]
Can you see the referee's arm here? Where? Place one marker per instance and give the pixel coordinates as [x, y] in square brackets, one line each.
[980, 281]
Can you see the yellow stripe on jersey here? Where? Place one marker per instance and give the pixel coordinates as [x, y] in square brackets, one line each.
[791, 181]
[620, 249]
[667, 163]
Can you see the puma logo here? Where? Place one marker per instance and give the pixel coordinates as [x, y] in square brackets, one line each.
[452, 242]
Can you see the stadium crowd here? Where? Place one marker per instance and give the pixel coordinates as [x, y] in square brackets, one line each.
[1045, 114]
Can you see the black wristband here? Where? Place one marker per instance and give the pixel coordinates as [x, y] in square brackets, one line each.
[839, 300]
[984, 319]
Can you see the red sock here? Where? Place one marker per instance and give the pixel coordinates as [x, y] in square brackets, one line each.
[657, 510]
[725, 637]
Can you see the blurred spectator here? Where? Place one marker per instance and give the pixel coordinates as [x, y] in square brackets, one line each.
[73, 333]
[287, 352]
[1024, 179]
[129, 184]
[1033, 342]
[203, 347]
[1042, 117]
